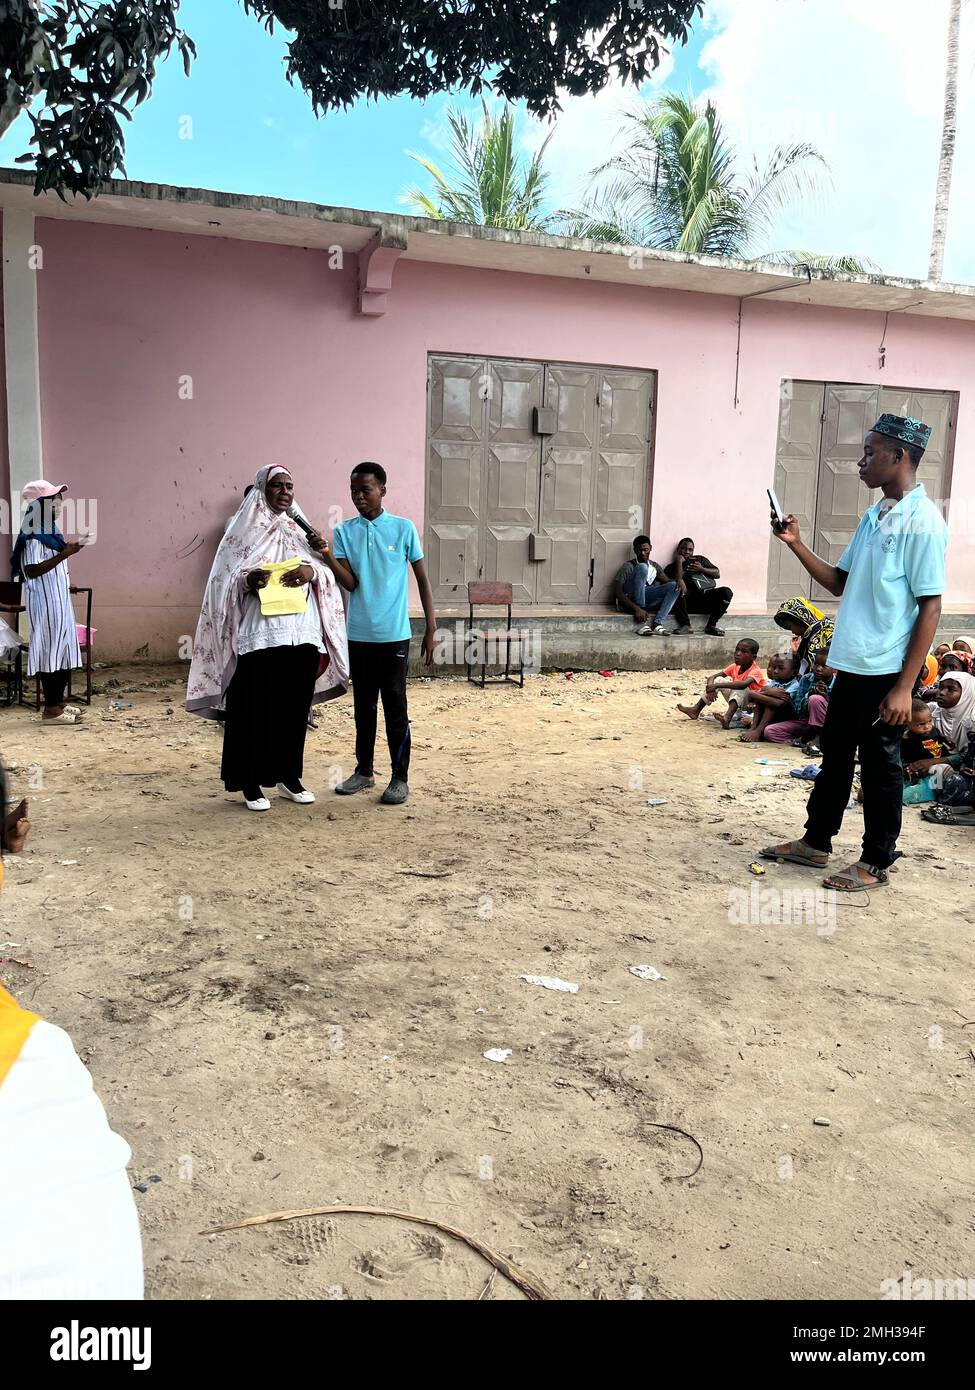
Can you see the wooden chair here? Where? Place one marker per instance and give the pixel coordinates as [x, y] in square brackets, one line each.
[12, 672]
[492, 595]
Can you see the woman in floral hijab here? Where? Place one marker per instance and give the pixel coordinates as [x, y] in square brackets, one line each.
[810, 625]
[266, 670]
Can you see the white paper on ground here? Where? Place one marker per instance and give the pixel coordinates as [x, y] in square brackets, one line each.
[497, 1054]
[547, 982]
[645, 972]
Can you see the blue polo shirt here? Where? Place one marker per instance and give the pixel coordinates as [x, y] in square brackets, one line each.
[379, 553]
[891, 562]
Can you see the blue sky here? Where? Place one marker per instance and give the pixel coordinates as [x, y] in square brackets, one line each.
[777, 71]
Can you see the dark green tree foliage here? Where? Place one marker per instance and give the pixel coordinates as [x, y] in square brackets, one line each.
[525, 50]
[76, 68]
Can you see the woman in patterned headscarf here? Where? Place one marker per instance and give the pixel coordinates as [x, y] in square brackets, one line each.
[266, 669]
[810, 625]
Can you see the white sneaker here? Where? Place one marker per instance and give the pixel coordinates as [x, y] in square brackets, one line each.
[261, 804]
[303, 798]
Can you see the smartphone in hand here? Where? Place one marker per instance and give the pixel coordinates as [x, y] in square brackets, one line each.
[774, 504]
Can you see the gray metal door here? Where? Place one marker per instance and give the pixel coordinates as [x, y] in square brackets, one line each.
[821, 431]
[622, 473]
[796, 478]
[493, 483]
[841, 498]
[482, 474]
[567, 485]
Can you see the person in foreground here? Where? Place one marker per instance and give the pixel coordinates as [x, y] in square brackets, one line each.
[267, 668]
[370, 556]
[69, 1229]
[889, 579]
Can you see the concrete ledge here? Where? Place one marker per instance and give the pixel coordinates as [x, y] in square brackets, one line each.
[607, 641]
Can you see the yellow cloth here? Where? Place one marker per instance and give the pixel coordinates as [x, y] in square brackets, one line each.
[276, 600]
[15, 1025]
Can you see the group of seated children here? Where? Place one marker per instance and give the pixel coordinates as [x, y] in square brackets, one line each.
[938, 751]
[787, 703]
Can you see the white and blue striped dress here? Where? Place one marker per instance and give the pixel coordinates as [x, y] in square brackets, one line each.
[54, 642]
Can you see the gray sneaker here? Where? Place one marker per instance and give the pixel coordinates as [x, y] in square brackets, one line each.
[396, 793]
[353, 784]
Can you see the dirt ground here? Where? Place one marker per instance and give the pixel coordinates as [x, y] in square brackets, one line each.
[290, 1010]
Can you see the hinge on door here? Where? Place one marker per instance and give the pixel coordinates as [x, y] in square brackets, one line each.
[592, 572]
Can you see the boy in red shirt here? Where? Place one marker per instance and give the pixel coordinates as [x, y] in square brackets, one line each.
[743, 674]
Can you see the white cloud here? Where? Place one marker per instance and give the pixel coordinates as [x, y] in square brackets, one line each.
[587, 133]
[863, 80]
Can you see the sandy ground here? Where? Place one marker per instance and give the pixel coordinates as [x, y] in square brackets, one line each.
[290, 1010]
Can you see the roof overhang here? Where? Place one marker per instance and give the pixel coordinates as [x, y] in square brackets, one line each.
[278, 221]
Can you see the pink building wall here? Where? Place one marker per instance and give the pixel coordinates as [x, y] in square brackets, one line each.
[285, 370]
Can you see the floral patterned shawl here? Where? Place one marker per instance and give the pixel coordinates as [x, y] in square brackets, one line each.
[256, 535]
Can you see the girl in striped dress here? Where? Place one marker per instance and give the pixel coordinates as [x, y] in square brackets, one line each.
[40, 557]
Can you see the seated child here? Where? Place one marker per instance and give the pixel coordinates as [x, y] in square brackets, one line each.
[954, 661]
[774, 700]
[964, 644]
[921, 749]
[742, 675]
[940, 650]
[958, 788]
[809, 703]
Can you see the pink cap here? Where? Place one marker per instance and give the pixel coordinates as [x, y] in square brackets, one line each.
[31, 492]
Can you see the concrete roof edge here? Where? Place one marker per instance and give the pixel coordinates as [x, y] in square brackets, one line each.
[398, 226]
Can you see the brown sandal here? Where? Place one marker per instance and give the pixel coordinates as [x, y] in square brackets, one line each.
[808, 858]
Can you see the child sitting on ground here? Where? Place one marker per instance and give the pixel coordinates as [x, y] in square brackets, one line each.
[774, 701]
[742, 675]
[920, 746]
[809, 703]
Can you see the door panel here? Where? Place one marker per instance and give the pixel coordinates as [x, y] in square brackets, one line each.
[567, 484]
[842, 499]
[510, 502]
[796, 480]
[456, 408]
[455, 474]
[937, 409]
[492, 482]
[622, 462]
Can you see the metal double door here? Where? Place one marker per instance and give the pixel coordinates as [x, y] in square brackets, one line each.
[536, 474]
[822, 426]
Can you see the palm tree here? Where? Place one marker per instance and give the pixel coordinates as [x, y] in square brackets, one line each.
[676, 188]
[946, 163]
[488, 186]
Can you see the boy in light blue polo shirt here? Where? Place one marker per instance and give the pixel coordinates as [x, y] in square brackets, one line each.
[369, 558]
[890, 579]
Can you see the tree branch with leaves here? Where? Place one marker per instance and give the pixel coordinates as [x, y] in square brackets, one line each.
[76, 68]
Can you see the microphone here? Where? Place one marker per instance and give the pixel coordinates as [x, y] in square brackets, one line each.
[296, 516]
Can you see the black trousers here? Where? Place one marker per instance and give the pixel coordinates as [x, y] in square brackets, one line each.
[854, 704]
[267, 717]
[378, 670]
[713, 602]
[53, 685]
